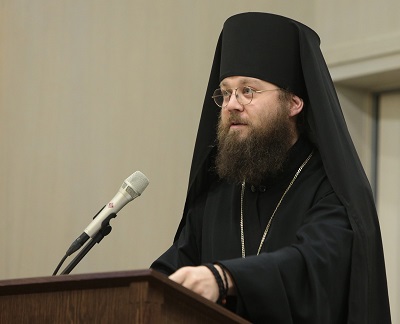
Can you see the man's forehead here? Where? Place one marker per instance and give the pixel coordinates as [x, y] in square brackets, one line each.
[241, 80]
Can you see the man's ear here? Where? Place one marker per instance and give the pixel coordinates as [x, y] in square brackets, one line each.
[296, 105]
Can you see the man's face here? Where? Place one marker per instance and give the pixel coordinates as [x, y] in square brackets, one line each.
[263, 110]
[253, 139]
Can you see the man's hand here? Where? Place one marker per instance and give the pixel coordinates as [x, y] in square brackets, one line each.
[200, 280]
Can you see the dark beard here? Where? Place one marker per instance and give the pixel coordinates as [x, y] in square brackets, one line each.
[261, 154]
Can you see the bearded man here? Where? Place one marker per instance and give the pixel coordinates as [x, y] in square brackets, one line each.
[279, 222]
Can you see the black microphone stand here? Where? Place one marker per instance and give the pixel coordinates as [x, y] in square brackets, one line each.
[104, 231]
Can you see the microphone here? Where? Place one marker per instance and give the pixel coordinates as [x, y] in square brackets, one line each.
[130, 189]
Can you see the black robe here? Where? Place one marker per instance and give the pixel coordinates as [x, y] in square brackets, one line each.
[302, 273]
[332, 186]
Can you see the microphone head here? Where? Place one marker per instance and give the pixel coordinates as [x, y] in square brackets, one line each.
[135, 184]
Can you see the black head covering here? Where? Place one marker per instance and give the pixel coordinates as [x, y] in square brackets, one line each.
[266, 49]
[287, 53]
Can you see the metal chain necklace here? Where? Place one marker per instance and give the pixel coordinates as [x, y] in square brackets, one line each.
[273, 214]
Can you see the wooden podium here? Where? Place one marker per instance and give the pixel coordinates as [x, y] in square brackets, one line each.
[144, 296]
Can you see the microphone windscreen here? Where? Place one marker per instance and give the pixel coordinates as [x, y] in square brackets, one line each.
[138, 181]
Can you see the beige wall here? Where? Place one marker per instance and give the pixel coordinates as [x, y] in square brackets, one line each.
[93, 90]
[361, 41]
[388, 194]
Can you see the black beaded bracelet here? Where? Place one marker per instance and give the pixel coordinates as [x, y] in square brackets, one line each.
[225, 277]
[221, 287]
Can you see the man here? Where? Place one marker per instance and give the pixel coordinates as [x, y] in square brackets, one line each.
[279, 223]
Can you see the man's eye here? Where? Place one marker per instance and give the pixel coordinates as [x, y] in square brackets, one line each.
[247, 91]
[226, 93]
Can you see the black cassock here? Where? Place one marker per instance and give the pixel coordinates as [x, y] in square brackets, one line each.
[322, 261]
[302, 272]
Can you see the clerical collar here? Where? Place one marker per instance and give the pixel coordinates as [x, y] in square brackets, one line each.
[296, 155]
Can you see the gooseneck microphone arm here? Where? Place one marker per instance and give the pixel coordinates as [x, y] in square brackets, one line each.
[104, 231]
[130, 189]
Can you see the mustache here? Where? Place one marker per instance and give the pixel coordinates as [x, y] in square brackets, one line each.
[235, 119]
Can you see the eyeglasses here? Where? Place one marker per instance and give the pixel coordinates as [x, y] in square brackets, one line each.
[244, 95]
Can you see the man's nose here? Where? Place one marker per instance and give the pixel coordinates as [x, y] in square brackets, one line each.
[233, 103]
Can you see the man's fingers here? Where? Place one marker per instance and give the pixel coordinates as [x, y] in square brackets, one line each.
[179, 276]
[198, 279]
